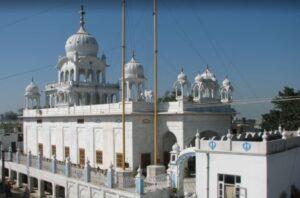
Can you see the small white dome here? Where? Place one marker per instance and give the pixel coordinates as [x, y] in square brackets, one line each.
[182, 77]
[82, 42]
[176, 147]
[198, 78]
[226, 82]
[134, 69]
[32, 89]
[208, 75]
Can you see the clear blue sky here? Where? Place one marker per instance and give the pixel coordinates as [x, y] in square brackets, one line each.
[257, 46]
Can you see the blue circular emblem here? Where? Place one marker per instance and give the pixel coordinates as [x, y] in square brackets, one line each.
[212, 145]
[246, 146]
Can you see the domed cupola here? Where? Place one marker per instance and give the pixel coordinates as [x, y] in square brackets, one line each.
[135, 80]
[226, 82]
[134, 70]
[182, 77]
[32, 96]
[226, 91]
[208, 75]
[205, 87]
[82, 42]
[198, 78]
[182, 86]
[32, 89]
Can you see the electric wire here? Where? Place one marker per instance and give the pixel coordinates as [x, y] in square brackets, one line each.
[7, 25]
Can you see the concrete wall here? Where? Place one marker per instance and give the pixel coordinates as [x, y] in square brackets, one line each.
[252, 170]
[104, 134]
[283, 172]
[102, 130]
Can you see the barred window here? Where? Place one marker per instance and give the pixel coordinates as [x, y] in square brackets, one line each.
[81, 156]
[53, 149]
[119, 159]
[99, 157]
[41, 149]
[67, 151]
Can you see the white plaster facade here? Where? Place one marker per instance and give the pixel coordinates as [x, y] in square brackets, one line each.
[241, 167]
[84, 112]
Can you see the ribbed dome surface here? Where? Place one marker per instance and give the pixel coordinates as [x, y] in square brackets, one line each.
[32, 89]
[134, 69]
[83, 43]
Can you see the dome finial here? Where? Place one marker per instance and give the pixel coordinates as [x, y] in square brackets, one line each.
[82, 13]
[181, 69]
[32, 79]
[133, 54]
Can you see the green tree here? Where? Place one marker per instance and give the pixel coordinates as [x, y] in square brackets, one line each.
[286, 111]
[168, 97]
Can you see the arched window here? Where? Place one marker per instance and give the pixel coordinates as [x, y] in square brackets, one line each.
[99, 76]
[89, 77]
[67, 76]
[62, 76]
[81, 75]
[88, 99]
[113, 98]
[97, 98]
[72, 75]
[133, 92]
[79, 99]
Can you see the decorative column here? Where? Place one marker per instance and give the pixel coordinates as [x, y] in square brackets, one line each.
[53, 164]
[139, 182]
[39, 161]
[110, 177]
[197, 140]
[41, 191]
[68, 167]
[9, 154]
[54, 193]
[28, 159]
[19, 180]
[87, 171]
[30, 183]
[18, 155]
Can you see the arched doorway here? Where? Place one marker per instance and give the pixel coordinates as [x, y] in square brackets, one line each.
[169, 139]
[178, 178]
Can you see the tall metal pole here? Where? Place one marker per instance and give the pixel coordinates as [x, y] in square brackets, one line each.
[155, 81]
[123, 81]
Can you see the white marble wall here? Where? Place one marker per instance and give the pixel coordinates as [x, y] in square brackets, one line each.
[104, 133]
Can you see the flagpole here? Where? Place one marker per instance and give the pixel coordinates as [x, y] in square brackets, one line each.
[123, 82]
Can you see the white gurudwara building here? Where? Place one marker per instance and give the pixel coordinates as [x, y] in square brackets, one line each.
[73, 145]
[82, 115]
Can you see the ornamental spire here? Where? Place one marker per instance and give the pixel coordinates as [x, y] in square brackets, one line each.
[82, 13]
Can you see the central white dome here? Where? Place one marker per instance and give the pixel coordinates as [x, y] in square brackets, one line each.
[82, 42]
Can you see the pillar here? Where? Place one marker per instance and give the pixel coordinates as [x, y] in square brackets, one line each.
[139, 182]
[39, 161]
[54, 193]
[68, 167]
[87, 171]
[110, 177]
[30, 183]
[53, 164]
[18, 155]
[41, 189]
[29, 159]
[19, 180]
[10, 174]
